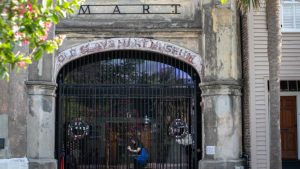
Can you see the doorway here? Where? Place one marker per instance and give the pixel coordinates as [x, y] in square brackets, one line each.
[288, 127]
[106, 99]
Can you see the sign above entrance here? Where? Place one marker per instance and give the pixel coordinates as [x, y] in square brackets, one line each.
[104, 45]
[130, 9]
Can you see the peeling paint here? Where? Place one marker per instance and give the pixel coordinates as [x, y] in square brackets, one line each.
[222, 17]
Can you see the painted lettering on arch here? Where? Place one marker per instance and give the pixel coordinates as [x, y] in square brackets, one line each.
[126, 43]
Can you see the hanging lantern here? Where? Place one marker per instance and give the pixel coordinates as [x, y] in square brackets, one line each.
[178, 129]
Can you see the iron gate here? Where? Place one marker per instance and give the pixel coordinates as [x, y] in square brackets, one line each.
[106, 99]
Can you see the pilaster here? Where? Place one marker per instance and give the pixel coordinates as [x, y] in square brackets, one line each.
[222, 126]
[221, 87]
[41, 125]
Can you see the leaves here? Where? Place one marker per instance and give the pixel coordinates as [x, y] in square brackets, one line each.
[244, 5]
[55, 18]
[28, 22]
[224, 1]
[38, 54]
[49, 3]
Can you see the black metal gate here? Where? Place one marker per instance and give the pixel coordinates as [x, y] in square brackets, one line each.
[104, 100]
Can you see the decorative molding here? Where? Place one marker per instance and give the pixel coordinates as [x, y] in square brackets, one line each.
[41, 88]
[144, 44]
[221, 88]
[221, 82]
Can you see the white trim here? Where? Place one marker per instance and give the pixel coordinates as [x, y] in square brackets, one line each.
[291, 78]
[290, 30]
[297, 94]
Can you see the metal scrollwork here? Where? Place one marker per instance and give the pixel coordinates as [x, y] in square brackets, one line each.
[78, 129]
[178, 129]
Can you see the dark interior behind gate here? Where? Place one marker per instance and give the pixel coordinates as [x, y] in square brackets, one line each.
[106, 99]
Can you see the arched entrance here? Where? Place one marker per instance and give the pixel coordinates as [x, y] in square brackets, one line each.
[107, 98]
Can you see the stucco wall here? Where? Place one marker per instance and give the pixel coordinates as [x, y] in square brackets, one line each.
[190, 39]
[13, 110]
[189, 15]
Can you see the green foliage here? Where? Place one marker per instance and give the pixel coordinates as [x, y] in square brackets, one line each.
[27, 23]
[224, 1]
[245, 5]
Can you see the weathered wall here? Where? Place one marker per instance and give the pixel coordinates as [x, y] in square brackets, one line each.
[221, 86]
[182, 30]
[17, 115]
[188, 39]
[222, 54]
[41, 124]
[4, 134]
[13, 110]
[189, 15]
[42, 69]
[40, 117]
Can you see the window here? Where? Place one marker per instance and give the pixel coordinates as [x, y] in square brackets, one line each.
[289, 85]
[291, 15]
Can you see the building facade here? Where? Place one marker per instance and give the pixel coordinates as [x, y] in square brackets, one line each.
[166, 73]
[258, 73]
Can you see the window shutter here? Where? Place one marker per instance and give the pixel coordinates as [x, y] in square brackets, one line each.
[288, 15]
